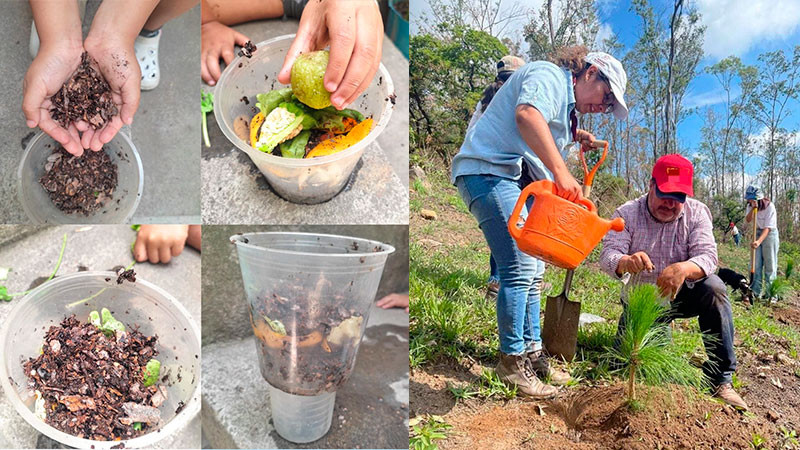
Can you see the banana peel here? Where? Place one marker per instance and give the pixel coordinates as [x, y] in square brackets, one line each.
[255, 126]
[342, 142]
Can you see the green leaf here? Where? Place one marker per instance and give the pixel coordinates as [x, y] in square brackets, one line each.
[206, 102]
[94, 319]
[269, 101]
[280, 135]
[276, 326]
[308, 122]
[151, 372]
[110, 325]
[4, 294]
[137, 426]
[136, 227]
[295, 147]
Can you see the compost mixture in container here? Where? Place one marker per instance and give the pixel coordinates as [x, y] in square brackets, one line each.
[299, 122]
[96, 379]
[79, 184]
[308, 344]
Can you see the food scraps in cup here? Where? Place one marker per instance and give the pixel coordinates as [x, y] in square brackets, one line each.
[298, 122]
[97, 379]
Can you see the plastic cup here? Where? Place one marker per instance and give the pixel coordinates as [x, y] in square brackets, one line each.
[155, 312]
[309, 181]
[309, 297]
[301, 418]
[40, 209]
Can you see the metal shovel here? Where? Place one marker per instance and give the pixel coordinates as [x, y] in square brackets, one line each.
[562, 315]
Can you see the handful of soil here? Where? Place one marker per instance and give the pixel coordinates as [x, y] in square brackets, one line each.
[92, 381]
[79, 184]
[84, 96]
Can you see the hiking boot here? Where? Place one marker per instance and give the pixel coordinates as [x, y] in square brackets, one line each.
[729, 396]
[541, 367]
[515, 369]
[492, 288]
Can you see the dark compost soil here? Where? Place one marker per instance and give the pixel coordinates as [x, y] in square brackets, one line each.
[84, 96]
[79, 184]
[92, 384]
[248, 49]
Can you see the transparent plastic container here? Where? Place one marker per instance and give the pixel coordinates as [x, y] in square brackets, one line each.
[301, 418]
[309, 297]
[155, 312]
[307, 181]
[36, 202]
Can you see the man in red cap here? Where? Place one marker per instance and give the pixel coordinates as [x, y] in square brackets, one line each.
[668, 241]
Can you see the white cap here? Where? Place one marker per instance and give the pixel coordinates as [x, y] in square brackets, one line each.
[612, 69]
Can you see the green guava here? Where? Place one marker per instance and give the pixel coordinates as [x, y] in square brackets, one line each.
[307, 74]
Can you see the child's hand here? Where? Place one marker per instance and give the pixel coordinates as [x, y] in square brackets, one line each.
[394, 301]
[217, 41]
[52, 66]
[159, 243]
[354, 30]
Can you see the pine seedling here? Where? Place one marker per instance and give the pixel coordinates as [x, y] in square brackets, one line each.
[645, 352]
[789, 267]
[779, 288]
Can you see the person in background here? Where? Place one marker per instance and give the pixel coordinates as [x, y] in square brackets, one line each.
[505, 67]
[734, 232]
[160, 243]
[766, 241]
[534, 112]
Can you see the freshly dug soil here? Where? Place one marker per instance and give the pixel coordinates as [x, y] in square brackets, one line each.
[92, 384]
[84, 96]
[79, 184]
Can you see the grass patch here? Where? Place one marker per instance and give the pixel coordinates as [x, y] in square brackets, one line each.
[426, 431]
[488, 385]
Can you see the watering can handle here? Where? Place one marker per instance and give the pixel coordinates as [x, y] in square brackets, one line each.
[513, 229]
[588, 175]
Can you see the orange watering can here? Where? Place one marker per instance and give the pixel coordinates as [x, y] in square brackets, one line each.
[561, 233]
[558, 231]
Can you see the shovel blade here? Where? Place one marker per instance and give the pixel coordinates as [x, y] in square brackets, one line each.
[560, 330]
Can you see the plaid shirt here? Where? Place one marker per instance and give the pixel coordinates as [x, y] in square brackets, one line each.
[687, 238]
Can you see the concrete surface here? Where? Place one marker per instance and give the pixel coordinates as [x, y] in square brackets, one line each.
[163, 130]
[32, 254]
[225, 312]
[371, 409]
[234, 191]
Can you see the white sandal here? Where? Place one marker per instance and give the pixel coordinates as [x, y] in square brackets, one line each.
[146, 49]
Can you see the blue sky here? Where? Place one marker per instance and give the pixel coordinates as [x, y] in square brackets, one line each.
[745, 28]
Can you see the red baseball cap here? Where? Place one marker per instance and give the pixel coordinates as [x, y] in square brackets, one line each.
[673, 174]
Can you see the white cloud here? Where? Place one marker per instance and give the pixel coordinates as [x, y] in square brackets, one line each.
[735, 26]
[604, 32]
[709, 98]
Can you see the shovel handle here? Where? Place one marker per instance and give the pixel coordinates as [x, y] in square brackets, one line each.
[588, 175]
[752, 250]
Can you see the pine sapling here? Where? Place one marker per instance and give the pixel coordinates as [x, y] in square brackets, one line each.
[645, 352]
[789, 267]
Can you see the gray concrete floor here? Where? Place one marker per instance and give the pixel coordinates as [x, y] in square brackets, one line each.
[234, 191]
[164, 128]
[32, 252]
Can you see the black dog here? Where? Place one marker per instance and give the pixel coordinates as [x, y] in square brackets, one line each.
[737, 282]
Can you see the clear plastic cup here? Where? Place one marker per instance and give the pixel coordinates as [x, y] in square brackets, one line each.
[309, 181]
[40, 209]
[301, 418]
[309, 297]
[155, 312]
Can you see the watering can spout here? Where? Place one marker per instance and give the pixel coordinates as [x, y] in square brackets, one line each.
[618, 224]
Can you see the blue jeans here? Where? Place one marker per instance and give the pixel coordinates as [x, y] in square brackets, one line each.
[491, 199]
[493, 276]
[766, 261]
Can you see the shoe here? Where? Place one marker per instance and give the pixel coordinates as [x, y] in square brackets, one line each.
[492, 288]
[146, 49]
[729, 396]
[515, 369]
[541, 367]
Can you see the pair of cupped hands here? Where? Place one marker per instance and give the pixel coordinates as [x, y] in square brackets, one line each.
[55, 63]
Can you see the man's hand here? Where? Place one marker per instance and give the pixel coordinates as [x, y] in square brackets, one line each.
[116, 61]
[635, 263]
[217, 41]
[354, 30]
[671, 279]
[53, 65]
[567, 186]
[755, 244]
